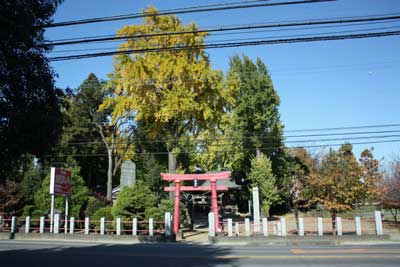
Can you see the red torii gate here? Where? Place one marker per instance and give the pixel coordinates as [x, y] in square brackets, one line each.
[212, 177]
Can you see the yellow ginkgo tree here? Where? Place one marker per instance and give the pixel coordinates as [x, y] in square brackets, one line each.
[167, 80]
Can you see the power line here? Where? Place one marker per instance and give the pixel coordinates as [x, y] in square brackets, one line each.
[207, 28]
[242, 39]
[265, 139]
[227, 151]
[345, 128]
[373, 18]
[187, 10]
[232, 44]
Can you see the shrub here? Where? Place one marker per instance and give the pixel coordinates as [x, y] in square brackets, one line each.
[158, 213]
[102, 212]
[133, 201]
[93, 204]
[28, 210]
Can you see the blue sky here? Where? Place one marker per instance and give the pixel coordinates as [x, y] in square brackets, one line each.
[322, 84]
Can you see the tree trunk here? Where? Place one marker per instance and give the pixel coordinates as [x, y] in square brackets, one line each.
[296, 215]
[109, 176]
[333, 216]
[394, 214]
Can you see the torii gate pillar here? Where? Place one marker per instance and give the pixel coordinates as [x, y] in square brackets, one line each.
[212, 177]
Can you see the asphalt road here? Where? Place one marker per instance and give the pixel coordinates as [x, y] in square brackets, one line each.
[60, 254]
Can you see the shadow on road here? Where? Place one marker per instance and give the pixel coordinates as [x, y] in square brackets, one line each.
[149, 255]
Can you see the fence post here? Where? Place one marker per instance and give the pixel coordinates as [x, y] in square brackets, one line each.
[247, 227]
[320, 226]
[237, 229]
[41, 225]
[358, 225]
[167, 222]
[13, 224]
[1, 222]
[339, 228]
[265, 226]
[378, 222]
[211, 225]
[27, 224]
[230, 230]
[301, 226]
[102, 225]
[56, 223]
[134, 226]
[283, 227]
[118, 226]
[87, 225]
[151, 227]
[71, 225]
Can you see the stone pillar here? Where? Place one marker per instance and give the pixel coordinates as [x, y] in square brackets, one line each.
[358, 225]
[256, 210]
[378, 223]
[151, 227]
[230, 230]
[283, 227]
[247, 227]
[320, 227]
[301, 227]
[27, 224]
[339, 228]
[211, 224]
[118, 226]
[134, 226]
[102, 225]
[13, 224]
[87, 225]
[56, 223]
[41, 225]
[265, 226]
[237, 232]
[167, 222]
[72, 225]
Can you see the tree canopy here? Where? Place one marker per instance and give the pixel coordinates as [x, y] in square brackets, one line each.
[30, 117]
[173, 92]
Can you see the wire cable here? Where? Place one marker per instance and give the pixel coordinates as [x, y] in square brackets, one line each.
[232, 44]
[224, 29]
[178, 11]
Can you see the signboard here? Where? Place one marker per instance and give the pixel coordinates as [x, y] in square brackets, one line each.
[60, 181]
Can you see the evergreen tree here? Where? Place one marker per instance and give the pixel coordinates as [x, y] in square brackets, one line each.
[30, 117]
[81, 136]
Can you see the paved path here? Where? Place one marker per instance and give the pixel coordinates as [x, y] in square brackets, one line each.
[63, 254]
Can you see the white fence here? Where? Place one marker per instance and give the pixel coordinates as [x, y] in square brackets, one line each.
[304, 226]
[87, 226]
